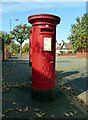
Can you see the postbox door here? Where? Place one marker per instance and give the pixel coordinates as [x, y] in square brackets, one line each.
[48, 61]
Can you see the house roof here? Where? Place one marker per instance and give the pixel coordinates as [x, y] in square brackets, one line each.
[67, 45]
[59, 47]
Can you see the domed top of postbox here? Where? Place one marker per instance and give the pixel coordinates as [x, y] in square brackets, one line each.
[37, 18]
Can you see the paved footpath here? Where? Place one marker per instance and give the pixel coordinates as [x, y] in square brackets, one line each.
[16, 100]
[72, 79]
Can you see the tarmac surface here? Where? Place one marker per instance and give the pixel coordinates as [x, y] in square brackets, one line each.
[72, 71]
[16, 79]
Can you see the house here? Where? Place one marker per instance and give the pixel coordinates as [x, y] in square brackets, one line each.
[63, 47]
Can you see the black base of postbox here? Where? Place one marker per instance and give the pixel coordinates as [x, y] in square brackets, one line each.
[30, 64]
[43, 95]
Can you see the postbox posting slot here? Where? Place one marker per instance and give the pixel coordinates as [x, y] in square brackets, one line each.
[47, 43]
[50, 30]
[46, 30]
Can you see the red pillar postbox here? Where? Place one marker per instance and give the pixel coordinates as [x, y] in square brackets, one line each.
[30, 48]
[43, 55]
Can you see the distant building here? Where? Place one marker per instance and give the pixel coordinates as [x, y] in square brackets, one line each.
[63, 47]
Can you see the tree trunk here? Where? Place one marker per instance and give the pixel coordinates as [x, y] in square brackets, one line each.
[20, 50]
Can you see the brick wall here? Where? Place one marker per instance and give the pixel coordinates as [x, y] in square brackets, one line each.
[6, 54]
[65, 54]
[82, 53]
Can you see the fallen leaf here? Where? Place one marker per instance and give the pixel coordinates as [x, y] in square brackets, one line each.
[3, 115]
[67, 114]
[42, 113]
[75, 112]
[26, 109]
[38, 115]
[8, 110]
[68, 88]
[36, 109]
[52, 115]
[20, 110]
[71, 114]
[14, 103]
